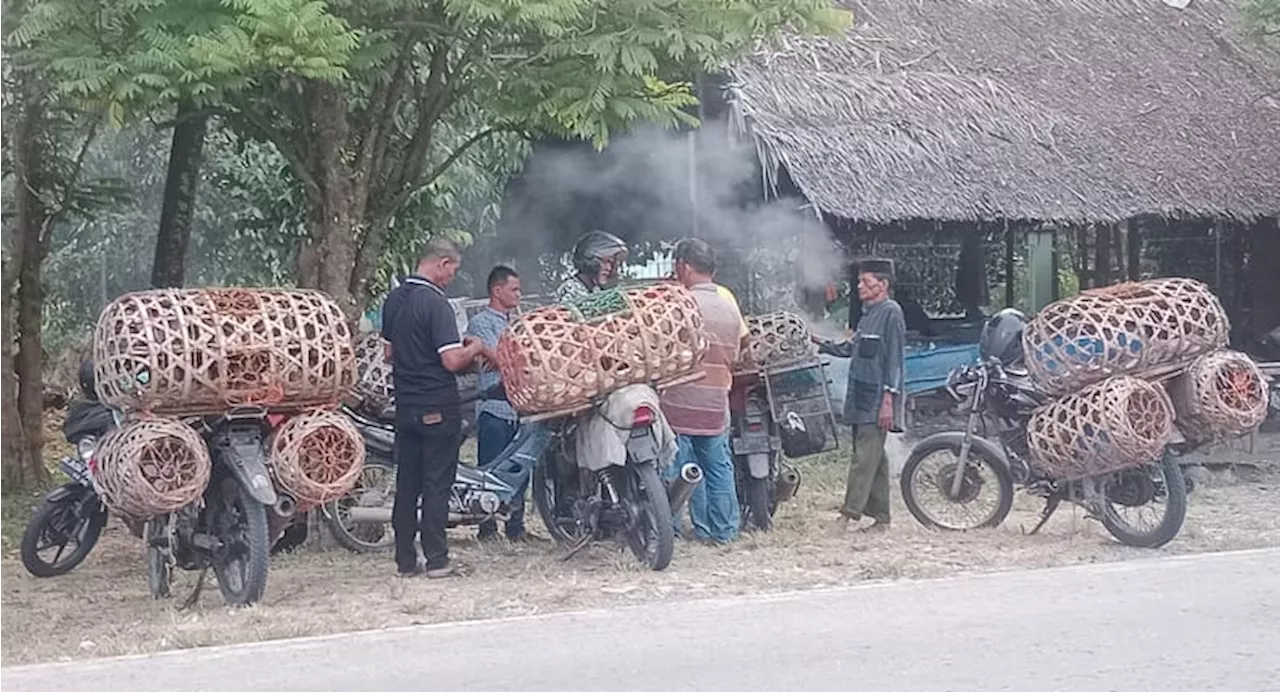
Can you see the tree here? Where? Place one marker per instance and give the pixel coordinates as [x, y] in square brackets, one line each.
[1263, 18]
[364, 149]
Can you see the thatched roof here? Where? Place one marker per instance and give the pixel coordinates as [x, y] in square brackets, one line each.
[1034, 109]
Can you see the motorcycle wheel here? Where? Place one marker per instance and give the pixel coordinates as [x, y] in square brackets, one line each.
[980, 473]
[1129, 489]
[74, 521]
[240, 520]
[563, 529]
[377, 483]
[159, 572]
[758, 506]
[651, 538]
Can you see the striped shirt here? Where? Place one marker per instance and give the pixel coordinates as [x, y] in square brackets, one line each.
[488, 326]
[702, 408]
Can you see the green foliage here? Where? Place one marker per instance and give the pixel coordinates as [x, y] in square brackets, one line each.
[1263, 18]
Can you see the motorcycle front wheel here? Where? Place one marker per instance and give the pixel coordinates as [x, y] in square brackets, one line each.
[62, 532]
[1131, 494]
[376, 488]
[650, 536]
[985, 497]
[240, 523]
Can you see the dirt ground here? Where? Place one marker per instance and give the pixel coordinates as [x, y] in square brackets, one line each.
[103, 609]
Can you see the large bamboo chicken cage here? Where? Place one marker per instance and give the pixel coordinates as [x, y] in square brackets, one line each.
[1127, 329]
[316, 457]
[1118, 423]
[558, 359]
[374, 388]
[150, 467]
[1222, 394]
[202, 351]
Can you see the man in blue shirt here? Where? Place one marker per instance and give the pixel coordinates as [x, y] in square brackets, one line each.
[496, 420]
[425, 352]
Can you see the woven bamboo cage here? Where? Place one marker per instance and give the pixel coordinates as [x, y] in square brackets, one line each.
[374, 387]
[1116, 424]
[201, 351]
[150, 467]
[1222, 394]
[559, 358]
[317, 457]
[776, 337]
[1126, 329]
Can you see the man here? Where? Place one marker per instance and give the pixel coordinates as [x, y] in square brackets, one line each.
[698, 412]
[598, 257]
[874, 399]
[425, 352]
[496, 420]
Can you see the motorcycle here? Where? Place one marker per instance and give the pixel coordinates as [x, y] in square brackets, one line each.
[361, 520]
[227, 531]
[600, 478]
[958, 468]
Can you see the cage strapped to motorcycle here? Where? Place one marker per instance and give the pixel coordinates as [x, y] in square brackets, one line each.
[800, 401]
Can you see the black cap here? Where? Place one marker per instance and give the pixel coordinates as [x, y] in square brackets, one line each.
[876, 265]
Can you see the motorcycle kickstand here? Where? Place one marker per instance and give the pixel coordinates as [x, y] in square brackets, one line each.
[194, 598]
[1050, 507]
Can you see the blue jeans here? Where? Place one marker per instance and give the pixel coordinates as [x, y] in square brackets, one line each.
[492, 436]
[713, 506]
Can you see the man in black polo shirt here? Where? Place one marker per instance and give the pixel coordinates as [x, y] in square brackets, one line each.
[425, 352]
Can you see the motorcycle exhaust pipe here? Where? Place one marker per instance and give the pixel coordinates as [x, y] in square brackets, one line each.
[285, 506]
[787, 484]
[370, 515]
[679, 490]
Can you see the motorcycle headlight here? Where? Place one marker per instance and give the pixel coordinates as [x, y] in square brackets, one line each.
[86, 447]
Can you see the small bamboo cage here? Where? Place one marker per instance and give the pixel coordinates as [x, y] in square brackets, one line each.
[1126, 329]
[317, 457]
[1118, 423]
[776, 337]
[374, 387]
[202, 351]
[559, 358]
[1222, 394]
[150, 467]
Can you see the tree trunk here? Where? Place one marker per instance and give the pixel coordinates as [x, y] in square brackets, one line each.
[168, 270]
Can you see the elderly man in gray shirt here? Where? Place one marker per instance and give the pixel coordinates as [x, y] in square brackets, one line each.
[874, 399]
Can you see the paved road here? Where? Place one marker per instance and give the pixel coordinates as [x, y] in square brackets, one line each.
[1199, 623]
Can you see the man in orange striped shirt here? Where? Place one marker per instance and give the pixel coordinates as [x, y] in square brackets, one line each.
[699, 411]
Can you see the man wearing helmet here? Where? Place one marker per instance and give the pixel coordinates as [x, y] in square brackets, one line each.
[598, 258]
[874, 398]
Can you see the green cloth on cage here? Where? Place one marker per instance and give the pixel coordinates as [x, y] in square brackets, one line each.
[593, 306]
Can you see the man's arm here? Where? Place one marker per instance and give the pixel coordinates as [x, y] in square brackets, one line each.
[455, 354]
[488, 330]
[895, 338]
[841, 349]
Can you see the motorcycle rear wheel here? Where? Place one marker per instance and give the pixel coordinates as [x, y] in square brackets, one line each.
[242, 576]
[156, 545]
[652, 538]
[75, 519]
[377, 480]
[758, 505]
[546, 490]
[1171, 485]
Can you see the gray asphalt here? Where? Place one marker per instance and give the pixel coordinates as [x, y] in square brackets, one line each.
[1202, 623]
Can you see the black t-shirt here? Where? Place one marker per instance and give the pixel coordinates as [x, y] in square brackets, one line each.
[420, 324]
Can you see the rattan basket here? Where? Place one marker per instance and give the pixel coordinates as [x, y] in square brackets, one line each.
[776, 337]
[316, 457]
[202, 351]
[1126, 329]
[559, 358]
[150, 467]
[1115, 424]
[1222, 394]
[374, 387]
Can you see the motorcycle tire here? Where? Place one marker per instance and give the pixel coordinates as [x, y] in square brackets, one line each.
[651, 496]
[244, 584]
[951, 443]
[367, 538]
[159, 571]
[1175, 512]
[758, 506]
[545, 491]
[46, 518]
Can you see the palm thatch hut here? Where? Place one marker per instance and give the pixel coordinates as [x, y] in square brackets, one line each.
[1072, 113]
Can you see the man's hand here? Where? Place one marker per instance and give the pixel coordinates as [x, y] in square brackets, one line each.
[886, 413]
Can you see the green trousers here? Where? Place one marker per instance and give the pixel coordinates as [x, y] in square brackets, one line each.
[867, 492]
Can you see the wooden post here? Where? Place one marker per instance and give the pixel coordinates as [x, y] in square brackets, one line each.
[1134, 247]
[1009, 294]
[1102, 256]
[1057, 268]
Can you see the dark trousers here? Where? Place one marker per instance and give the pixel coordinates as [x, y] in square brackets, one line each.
[427, 443]
[867, 491]
[493, 434]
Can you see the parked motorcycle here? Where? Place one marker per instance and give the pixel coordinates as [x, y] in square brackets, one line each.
[613, 491]
[65, 527]
[972, 476]
[361, 520]
[227, 530]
